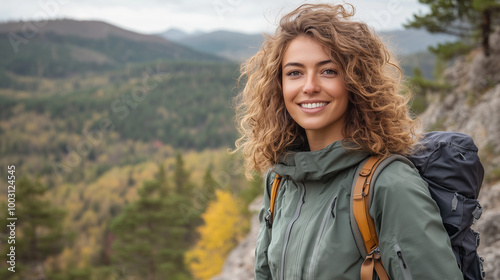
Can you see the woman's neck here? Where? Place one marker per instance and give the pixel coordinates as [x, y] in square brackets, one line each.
[318, 140]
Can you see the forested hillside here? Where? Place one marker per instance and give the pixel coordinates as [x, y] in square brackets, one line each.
[113, 135]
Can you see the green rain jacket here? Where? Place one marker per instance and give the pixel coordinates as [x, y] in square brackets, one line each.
[311, 236]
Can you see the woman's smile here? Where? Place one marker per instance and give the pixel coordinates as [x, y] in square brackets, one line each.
[313, 105]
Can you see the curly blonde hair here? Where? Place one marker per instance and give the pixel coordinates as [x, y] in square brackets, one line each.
[377, 117]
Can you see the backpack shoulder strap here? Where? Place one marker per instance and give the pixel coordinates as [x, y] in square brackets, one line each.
[361, 221]
[362, 224]
[274, 193]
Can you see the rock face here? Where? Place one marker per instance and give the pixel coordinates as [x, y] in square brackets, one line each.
[489, 227]
[471, 106]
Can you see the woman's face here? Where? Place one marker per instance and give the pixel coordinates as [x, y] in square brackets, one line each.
[314, 92]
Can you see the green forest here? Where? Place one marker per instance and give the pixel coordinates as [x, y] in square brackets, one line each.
[119, 147]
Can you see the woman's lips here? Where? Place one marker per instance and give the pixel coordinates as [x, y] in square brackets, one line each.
[312, 107]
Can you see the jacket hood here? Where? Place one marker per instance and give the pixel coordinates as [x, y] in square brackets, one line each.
[303, 166]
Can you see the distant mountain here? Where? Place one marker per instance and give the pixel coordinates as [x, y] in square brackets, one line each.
[240, 46]
[232, 45]
[174, 34]
[410, 45]
[410, 41]
[84, 29]
[64, 47]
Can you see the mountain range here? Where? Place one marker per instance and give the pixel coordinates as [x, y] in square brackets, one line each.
[410, 46]
[238, 46]
[64, 47]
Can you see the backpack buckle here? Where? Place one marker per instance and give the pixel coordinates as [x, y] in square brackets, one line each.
[375, 251]
[477, 213]
[477, 238]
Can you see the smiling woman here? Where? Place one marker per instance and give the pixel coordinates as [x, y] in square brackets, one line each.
[321, 96]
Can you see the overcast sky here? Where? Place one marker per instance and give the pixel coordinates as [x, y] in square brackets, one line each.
[154, 16]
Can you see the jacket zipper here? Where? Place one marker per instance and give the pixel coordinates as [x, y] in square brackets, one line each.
[312, 266]
[405, 269]
[289, 229]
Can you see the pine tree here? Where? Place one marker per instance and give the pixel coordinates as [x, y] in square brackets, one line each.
[181, 176]
[187, 199]
[150, 234]
[162, 177]
[207, 192]
[463, 18]
[38, 231]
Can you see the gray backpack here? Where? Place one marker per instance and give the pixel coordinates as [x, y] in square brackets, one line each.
[449, 163]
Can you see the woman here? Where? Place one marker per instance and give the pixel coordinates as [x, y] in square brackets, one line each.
[321, 96]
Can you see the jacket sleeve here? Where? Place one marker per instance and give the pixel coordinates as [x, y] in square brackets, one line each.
[413, 241]
[262, 271]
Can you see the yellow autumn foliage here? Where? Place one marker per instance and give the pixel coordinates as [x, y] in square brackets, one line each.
[225, 225]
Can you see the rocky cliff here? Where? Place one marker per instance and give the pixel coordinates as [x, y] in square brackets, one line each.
[471, 106]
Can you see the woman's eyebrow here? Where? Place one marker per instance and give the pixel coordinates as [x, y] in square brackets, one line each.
[321, 63]
[293, 64]
[297, 64]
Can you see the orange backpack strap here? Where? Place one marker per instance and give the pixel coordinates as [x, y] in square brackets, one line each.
[362, 225]
[274, 194]
[366, 226]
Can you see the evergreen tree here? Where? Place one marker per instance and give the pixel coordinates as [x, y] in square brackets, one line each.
[181, 176]
[188, 208]
[162, 177]
[38, 231]
[463, 18]
[149, 235]
[207, 193]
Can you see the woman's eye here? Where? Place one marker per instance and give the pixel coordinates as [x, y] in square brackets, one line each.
[293, 73]
[329, 72]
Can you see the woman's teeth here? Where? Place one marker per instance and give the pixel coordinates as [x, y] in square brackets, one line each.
[313, 105]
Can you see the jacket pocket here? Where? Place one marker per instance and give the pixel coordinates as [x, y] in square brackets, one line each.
[405, 269]
[332, 207]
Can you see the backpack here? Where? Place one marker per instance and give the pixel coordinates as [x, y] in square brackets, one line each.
[449, 163]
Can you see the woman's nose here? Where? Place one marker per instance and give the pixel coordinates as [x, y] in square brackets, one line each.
[311, 85]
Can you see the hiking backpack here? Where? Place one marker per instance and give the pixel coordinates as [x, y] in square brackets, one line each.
[449, 163]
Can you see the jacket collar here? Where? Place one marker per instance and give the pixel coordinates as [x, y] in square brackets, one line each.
[303, 166]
